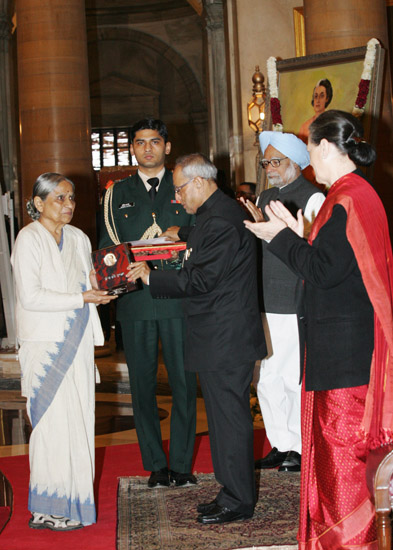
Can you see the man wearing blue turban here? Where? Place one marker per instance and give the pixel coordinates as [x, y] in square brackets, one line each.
[277, 378]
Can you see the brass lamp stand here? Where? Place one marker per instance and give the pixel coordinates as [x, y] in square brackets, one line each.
[256, 115]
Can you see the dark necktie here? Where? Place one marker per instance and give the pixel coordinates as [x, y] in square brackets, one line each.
[154, 183]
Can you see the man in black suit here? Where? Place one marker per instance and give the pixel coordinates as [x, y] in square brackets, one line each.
[219, 286]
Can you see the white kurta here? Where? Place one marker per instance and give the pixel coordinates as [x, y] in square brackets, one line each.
[276, 378]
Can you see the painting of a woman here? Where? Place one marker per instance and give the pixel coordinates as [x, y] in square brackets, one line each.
[321, 98]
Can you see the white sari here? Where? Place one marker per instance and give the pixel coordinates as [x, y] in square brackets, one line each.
[58, 379]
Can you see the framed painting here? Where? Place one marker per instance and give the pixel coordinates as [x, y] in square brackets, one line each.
[298, 77]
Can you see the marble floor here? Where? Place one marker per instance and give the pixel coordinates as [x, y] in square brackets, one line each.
[114, 422]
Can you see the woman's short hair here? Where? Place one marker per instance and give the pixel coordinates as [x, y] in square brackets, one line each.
[44, 184]
[346, 132]
[195, 165]
[329, 91]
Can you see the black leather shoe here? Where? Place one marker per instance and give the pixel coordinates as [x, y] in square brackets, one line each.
[182, 480]
[291, 463]
[271, 460]
[205, 507]
[160, 478]
[220, 514]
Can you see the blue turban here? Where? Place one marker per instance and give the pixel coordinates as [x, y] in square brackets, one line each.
[288, 144]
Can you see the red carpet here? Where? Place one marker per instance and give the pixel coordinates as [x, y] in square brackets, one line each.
[111, 463]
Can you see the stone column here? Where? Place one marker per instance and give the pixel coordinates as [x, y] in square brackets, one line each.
[7, 134]
[337, 25]
[217, 85]
[54, 103]
[235, 107]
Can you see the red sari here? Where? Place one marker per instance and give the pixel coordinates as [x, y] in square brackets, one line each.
[340, 426]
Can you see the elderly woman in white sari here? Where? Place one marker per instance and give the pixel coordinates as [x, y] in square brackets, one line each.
[57, 327]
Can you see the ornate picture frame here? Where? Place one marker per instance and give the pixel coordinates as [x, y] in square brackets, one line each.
[298, 24]
[297, 77]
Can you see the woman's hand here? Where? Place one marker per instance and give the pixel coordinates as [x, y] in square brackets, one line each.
[138, 270]
[266, 230]
[279, 219]
[93, 279]
[255, 212]
[277, 209]
[95, 296]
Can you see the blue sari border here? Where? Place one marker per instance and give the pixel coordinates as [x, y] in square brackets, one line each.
[58, 365]
[43, 503]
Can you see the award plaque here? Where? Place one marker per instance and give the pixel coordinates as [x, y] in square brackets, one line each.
[110, 265]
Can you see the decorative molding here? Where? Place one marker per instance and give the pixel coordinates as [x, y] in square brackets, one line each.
[133, 11]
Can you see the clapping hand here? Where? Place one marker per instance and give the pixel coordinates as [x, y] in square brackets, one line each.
[276, 208]
[279, 218]
[255, 212]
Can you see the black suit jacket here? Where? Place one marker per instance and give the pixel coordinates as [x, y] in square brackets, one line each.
[218, 282]
[339, 314]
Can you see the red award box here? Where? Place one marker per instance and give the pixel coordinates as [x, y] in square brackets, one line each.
[111, 264]
[160, 251]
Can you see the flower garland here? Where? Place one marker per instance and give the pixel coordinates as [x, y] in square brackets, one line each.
[361, 99]
[364, 84]
[275, 106]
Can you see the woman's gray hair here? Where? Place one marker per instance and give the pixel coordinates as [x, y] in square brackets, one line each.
[44, 184]
[195, 165]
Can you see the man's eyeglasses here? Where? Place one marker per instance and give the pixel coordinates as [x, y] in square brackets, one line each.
[180, 187]
[274, 162]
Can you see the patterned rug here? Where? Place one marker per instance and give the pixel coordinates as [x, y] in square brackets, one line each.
[165, 519]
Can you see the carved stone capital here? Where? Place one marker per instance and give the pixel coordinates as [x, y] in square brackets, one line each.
[214, 11]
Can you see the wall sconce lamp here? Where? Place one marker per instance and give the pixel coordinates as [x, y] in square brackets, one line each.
[256, 116]
[256, 107]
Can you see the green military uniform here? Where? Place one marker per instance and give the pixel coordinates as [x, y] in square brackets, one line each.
[144, 320]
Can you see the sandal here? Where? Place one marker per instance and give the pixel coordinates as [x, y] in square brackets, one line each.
[54, 523]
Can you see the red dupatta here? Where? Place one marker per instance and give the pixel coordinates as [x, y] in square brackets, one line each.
[367, 232]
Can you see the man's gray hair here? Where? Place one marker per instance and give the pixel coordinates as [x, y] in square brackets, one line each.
[195, 165]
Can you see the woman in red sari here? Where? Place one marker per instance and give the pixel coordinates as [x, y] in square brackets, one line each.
[347, 406]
